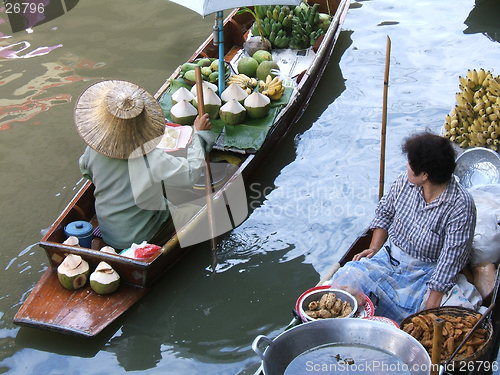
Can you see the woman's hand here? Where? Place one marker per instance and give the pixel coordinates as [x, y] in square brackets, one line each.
[202, 123]
[434, 299]
[368, 253]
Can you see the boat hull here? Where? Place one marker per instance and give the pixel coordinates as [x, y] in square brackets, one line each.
[84, 313]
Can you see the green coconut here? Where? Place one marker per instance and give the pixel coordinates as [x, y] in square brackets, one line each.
[183, 113]
[206, 71]
[248, 66]
[234, 91]
[265, 68]
[73, 272]
[190, 76]
[182, 94]
[206, 85]
[232, 112]
[104, 279]
[204, 62]
[262, 55]
[214, 65]
[213, 77]
[212, 103]
[257, 105]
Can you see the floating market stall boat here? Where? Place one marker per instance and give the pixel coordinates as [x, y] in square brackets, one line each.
[485, 357]
[84, 313]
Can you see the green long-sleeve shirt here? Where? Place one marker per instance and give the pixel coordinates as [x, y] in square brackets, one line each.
[129, 201]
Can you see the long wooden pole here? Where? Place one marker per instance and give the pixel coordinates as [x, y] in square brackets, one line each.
[437, 345]
[208, 172]
[384, 119]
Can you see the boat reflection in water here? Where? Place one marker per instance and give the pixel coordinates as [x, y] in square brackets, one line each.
[483, 18]
[32, 97]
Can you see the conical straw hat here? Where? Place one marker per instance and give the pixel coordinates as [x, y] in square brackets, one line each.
[116, 118]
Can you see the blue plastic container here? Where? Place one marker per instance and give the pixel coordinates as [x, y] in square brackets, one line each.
[82, 230]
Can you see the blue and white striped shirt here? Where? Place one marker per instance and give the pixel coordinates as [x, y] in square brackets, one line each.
[440, 231]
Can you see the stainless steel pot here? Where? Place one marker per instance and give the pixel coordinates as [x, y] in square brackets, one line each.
[281, 351]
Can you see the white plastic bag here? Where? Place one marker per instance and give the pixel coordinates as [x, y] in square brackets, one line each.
[486, 243]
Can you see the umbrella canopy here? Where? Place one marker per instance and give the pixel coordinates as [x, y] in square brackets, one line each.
[205, 7]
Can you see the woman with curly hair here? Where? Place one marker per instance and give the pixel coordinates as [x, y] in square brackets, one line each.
[422, 233]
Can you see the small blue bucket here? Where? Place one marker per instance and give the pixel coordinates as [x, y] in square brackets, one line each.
[82, 230]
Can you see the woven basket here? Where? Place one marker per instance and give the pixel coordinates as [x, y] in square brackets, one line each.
[460, 312]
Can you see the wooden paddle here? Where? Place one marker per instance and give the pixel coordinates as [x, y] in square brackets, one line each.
[384, 119]
[208, 172]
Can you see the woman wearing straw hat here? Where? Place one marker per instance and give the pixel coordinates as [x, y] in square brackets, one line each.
[122, 124]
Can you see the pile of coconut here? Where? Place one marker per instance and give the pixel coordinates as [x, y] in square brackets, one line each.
[184, 109]
[73, 274]
[238, 104]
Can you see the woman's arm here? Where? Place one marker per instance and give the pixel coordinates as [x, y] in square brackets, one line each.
[456, 250]
[378, 239]
[434, 299]
[384, 214]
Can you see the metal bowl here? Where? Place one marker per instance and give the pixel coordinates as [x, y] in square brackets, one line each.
[478, 166]
[315, 295]
[357, 335]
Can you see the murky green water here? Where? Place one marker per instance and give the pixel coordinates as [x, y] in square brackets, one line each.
[314, 196]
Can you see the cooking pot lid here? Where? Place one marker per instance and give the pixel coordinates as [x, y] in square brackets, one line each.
[78, 228]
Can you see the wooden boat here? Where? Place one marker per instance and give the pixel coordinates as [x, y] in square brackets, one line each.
[362, 243]
[84, 313]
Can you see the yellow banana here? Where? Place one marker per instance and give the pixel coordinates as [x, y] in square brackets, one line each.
[270, 91]
[481, 74]
[278, 94]
[471, 84]
[472, 75]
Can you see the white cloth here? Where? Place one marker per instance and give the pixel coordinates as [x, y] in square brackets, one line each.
[462, 294]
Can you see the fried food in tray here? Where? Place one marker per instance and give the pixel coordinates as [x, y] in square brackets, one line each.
[329, 306]
[455, 328]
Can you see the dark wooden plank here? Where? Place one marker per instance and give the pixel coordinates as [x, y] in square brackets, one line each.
[82, 312]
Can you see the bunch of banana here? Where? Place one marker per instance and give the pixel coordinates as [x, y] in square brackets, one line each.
[272, 87]
[244, 81]
[475, 120]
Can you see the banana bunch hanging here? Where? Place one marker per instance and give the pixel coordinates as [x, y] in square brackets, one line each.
[475, 119]
[244, 81]
[272, 87]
